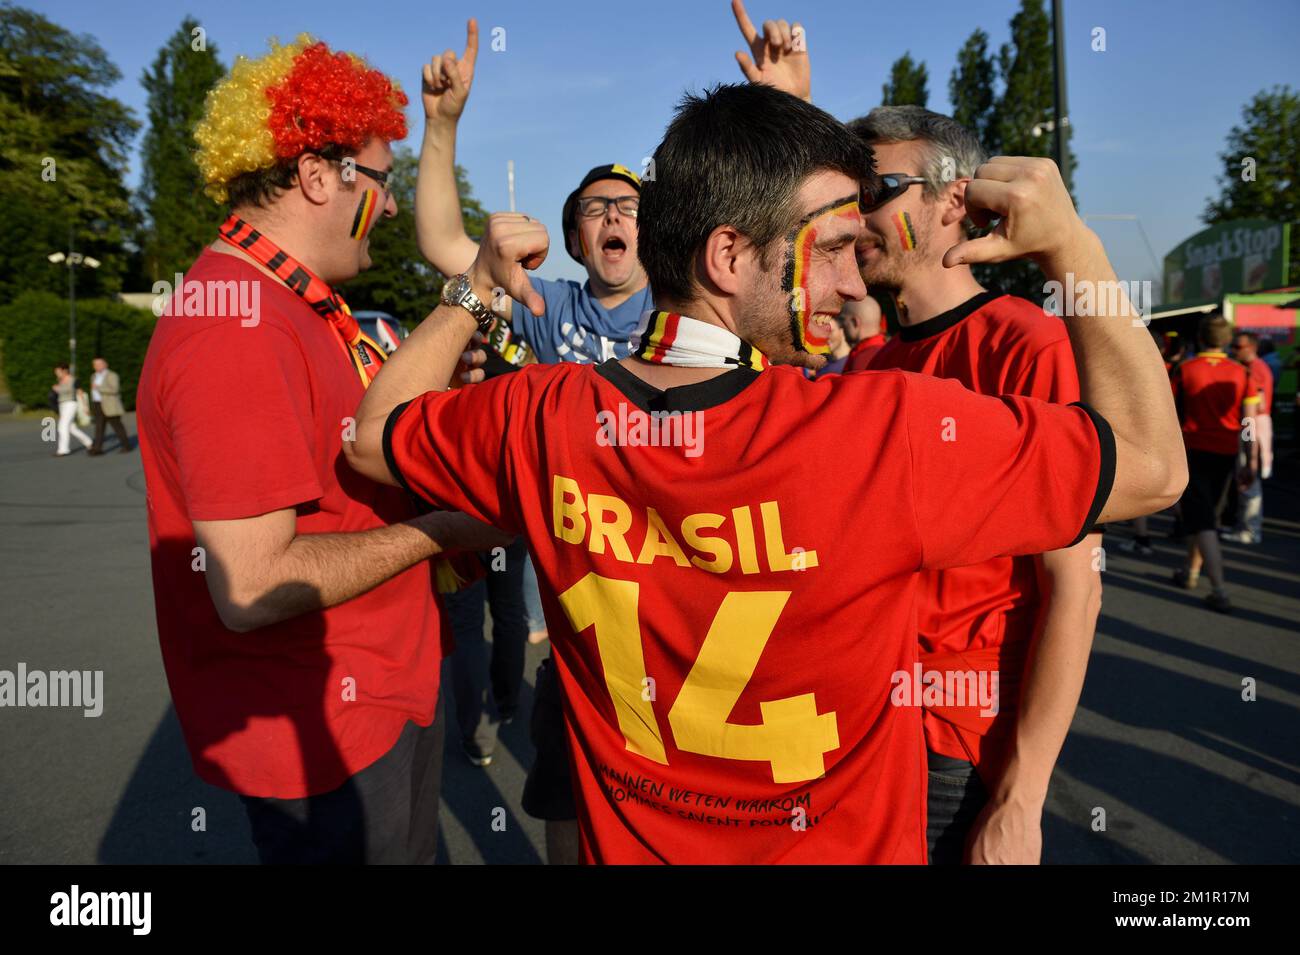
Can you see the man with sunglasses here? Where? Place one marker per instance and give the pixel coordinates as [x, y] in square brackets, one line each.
[582, 322]
[1025, 624]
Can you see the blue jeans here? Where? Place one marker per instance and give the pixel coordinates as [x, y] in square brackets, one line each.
[954, 801]
[532, 598]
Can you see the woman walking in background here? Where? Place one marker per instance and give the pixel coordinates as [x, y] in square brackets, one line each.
[65, 387]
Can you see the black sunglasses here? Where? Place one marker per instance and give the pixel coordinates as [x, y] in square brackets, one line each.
[892, 185]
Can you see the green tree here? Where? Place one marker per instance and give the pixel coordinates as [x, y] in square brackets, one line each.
[907, 84]
[179, 219]
[970, 89]
[1268, 187]
[1018, 125]
[63, 155]
[400, 281]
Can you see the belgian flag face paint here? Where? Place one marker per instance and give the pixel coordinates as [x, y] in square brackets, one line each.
[798, 268]
[367, 208]
[906, 234]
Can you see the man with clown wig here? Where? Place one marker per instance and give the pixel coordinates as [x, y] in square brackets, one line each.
[296, 601]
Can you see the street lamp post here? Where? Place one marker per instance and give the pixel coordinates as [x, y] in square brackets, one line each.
[72, 260]
[1061, 118]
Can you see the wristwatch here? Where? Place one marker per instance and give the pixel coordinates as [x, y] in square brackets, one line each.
[456, 291]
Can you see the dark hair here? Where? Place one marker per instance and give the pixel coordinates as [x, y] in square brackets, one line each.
[735, 156]
[263, 186]
[1249, 336]
[62, 365]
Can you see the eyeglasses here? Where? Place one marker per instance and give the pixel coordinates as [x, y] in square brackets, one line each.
[893, 184]
[593, 207]
[377, 175]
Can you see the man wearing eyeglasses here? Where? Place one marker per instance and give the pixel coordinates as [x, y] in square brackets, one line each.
[583, 322]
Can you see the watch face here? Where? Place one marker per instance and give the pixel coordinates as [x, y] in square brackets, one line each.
[454, 289]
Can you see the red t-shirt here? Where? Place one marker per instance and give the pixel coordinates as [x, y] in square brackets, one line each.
[862, 353]
[239, 421]
[1210, 390]
[982, 618]
[1261, 377]
[729, 615]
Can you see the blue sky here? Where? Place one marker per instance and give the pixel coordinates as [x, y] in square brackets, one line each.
[582, 83]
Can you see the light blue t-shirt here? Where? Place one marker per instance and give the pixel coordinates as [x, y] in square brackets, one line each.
[575, 327]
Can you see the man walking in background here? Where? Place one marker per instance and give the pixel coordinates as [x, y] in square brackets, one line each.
[106, 404]
[1214, 396]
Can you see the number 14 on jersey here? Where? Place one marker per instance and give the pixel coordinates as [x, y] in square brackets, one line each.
[793, 737]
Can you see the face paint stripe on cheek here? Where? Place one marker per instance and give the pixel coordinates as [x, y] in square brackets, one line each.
[906, 234]
[365, 214]
[797, 277]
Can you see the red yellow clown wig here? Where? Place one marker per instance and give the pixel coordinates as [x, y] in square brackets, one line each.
[298, 98]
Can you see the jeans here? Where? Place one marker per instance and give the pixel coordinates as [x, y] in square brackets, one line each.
[1250, 510]
[955, 799]
[532, 598]
[478, 672]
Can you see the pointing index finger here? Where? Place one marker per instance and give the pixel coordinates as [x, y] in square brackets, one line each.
[742, 20]
[471, 42]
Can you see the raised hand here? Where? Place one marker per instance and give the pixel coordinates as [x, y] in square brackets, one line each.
[446, 80]
[1036, 216]
[779, 54]
[511, 243]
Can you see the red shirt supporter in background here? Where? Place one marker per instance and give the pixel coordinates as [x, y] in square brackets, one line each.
[1214, 395]
[864, 327]
[1211, 390]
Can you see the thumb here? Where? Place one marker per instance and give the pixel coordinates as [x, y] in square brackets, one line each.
[747, 67]
[523, 291]
[988, 248]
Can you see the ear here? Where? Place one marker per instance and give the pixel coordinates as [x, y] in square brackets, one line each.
[727, 258]
[953, 202]
[315, 175]
[571, 244]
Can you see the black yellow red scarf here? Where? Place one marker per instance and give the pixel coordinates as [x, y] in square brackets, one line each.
[450, 573]
[667, 338]
[364, 353]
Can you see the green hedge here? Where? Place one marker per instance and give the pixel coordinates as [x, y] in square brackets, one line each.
[34, 327]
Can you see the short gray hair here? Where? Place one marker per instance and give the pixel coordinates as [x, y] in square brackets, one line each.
[952, 150]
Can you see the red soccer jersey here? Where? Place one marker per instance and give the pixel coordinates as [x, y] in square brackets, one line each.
[733, 623]
[981, 618]
[1210, 390]
[237, 421]
[1261, 378]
